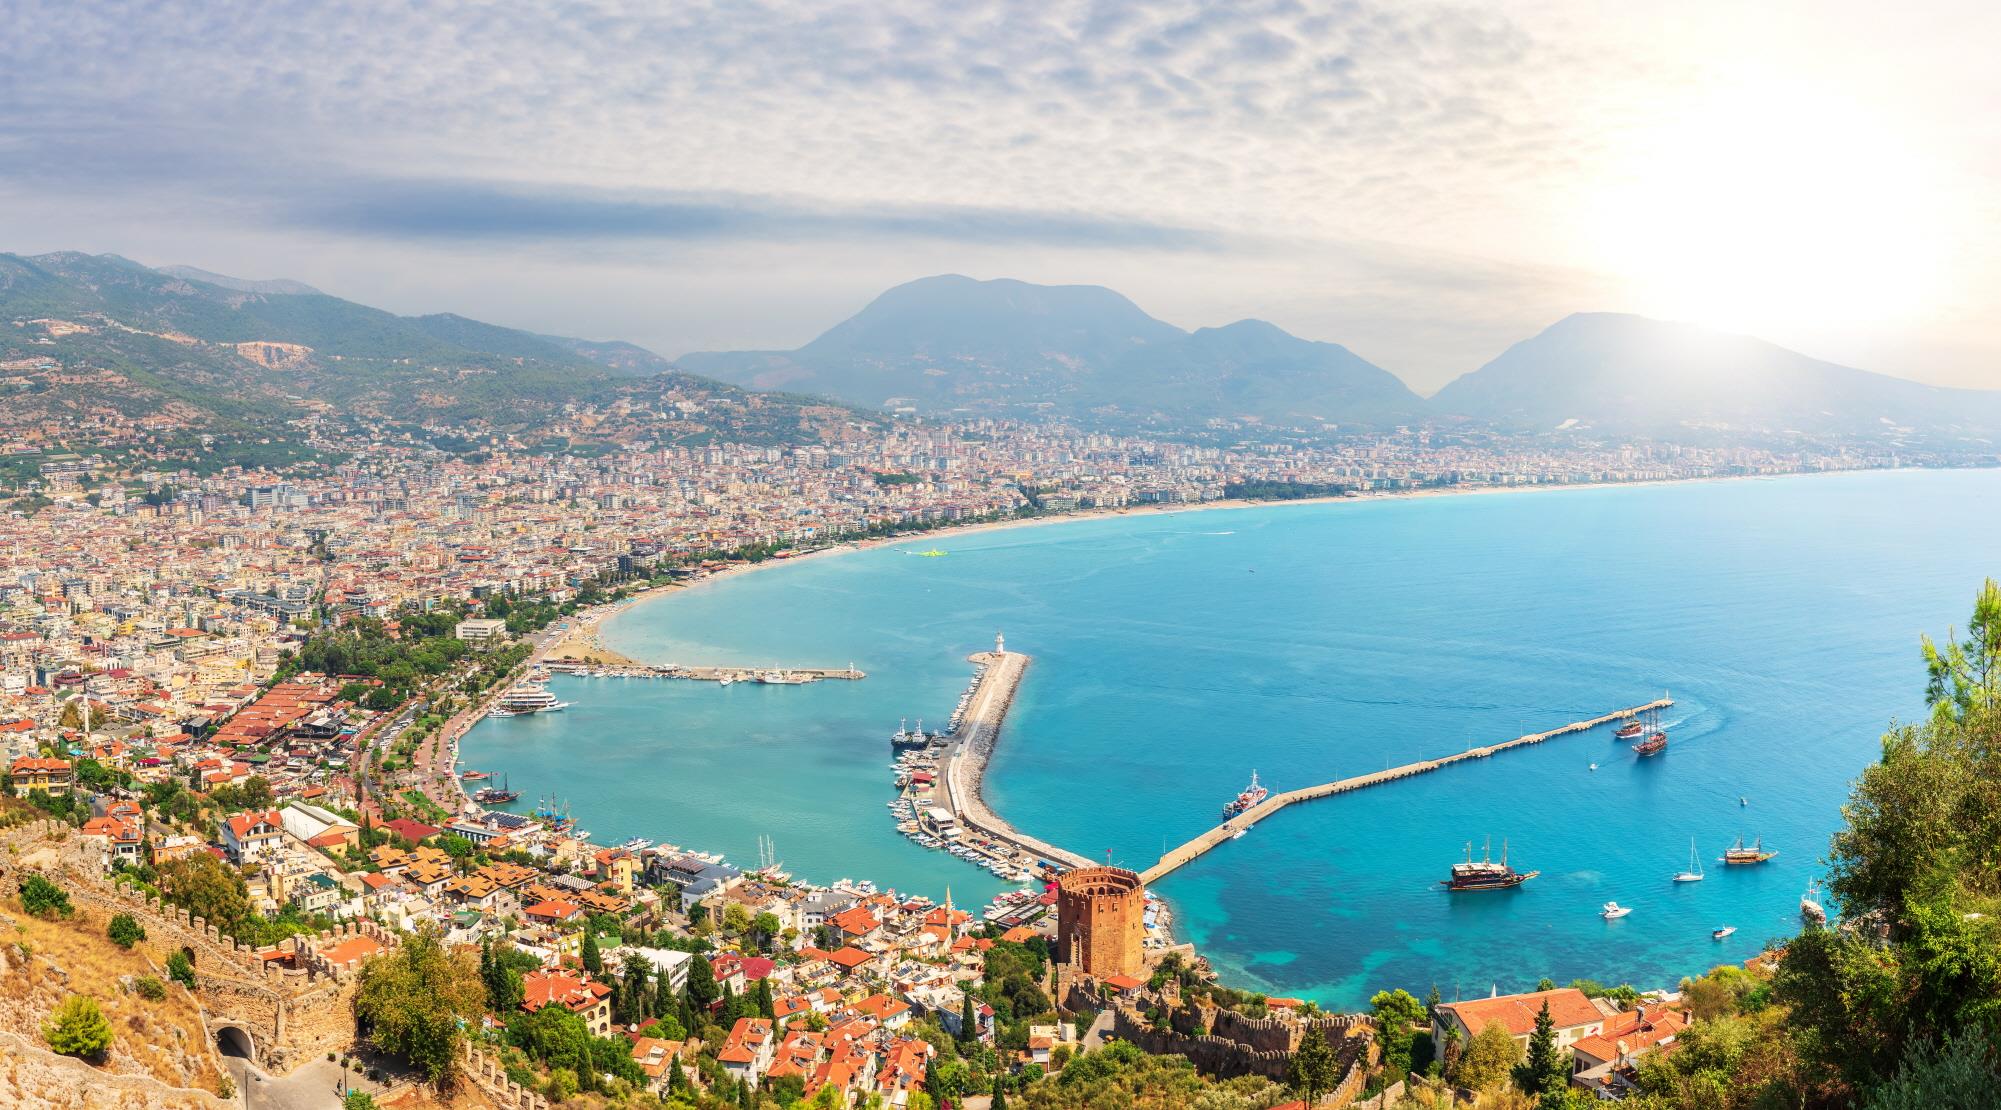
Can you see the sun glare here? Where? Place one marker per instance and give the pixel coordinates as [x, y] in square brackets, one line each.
[1770, 208]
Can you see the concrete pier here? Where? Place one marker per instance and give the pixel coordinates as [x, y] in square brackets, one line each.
[767, 676]
[1192, 850]
[972, 744]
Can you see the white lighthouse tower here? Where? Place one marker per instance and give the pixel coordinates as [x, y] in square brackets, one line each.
[1000, 644]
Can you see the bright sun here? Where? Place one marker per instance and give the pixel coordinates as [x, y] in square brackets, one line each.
[1770, 208]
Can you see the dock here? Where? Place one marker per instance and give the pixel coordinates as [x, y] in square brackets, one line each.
[1194, 849]
[767, 676]
[971, 746]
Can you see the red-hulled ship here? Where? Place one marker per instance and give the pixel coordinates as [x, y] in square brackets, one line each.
[1628, 730]
[1485, 874]
[1656, 741]
[1249, 798]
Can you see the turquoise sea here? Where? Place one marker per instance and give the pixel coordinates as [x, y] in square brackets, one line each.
[1176, 653]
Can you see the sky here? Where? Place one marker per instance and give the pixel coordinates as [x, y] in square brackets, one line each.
[1425, 183]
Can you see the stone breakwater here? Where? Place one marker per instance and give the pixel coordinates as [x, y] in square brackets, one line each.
[973, 744]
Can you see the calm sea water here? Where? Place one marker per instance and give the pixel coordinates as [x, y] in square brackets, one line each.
[1175, 654]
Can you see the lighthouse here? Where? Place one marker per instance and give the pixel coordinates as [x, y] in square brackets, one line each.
[1000, 644]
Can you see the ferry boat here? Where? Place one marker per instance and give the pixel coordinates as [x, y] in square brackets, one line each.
[1810, 908]
[1613, 911]
[1250, 797]
[528, 698]
[1485, 874]
[1738, 855]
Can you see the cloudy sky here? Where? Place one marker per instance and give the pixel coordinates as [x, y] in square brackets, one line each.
[1425, 183]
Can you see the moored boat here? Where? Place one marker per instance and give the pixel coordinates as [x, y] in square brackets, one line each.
[1247, 799]
[528, 698]
[1810, 908]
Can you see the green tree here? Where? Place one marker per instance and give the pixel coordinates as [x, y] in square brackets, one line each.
[999, 1096]
[766, 1005]
[1396, 1012]
[1543, 1069]
[78, 1028]
[702, 989]
[1963, 1073]
[180, 969]
[969, 1022]
[358, 1100]
[736, 919]
[593, 960]
[1964, 677]
[1488, 1059]
[207, 887]
[44, 898]
[1314, 1069]
[124, 931]
[416, 1001]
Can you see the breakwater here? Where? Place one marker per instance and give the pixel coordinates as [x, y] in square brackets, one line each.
[1194, 849]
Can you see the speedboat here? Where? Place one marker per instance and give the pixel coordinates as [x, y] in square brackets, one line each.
[1719, 934]
[1613, 911]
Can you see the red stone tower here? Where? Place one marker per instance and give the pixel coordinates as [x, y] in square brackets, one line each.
[1101, 921]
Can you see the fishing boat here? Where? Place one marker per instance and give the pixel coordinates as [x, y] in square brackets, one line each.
[1613, 911]
[1246, 799]
[1719, 934]
[1739, 856]
[1694, 872]
[1810, 908]
[1485, 874]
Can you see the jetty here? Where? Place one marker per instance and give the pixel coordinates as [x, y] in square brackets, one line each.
[768, 676]
[1193, 850]
[972, 745]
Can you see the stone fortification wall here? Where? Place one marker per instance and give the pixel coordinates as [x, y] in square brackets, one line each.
[1239, 1045]
[485, 1072]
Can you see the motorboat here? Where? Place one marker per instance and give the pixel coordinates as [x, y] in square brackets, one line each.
[1613, 911]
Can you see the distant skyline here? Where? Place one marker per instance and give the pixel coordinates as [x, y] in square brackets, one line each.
[1423, 183]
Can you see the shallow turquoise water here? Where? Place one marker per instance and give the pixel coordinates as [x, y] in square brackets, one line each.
[1174, 654]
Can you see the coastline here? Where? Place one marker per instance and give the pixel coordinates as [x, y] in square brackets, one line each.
[1165, 509]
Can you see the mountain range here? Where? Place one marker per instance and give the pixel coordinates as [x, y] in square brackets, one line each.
[215, 353]
[953, 344]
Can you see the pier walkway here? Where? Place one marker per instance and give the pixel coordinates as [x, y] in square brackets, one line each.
[972, 745]
[1194, 849]
[768, 676]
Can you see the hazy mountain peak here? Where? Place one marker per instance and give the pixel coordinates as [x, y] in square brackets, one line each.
[274, 287]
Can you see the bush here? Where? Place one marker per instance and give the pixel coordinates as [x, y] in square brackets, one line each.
[149, 988]
[180, 970]
[40, 896]
[79, 1028]
[124, 931]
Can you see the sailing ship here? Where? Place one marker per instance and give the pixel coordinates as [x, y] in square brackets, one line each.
[1656, 741]
[1249, 797]
[1694, 872]
[1738, 855]
[501, 793]
[1810, 908]
[1485, 874]
[1628, 730]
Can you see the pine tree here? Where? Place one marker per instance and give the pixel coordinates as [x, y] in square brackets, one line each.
[1431, 1004]
[1314, 1067]
[593, 962]
[1543, 1068]
[702, 991]
[968, 1020]
[1000, 1095]
[766, 1007]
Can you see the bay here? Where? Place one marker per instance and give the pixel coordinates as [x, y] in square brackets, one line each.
[1176, 653]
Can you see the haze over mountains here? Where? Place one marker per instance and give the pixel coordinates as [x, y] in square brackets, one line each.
[951, 343]
[232, 350]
